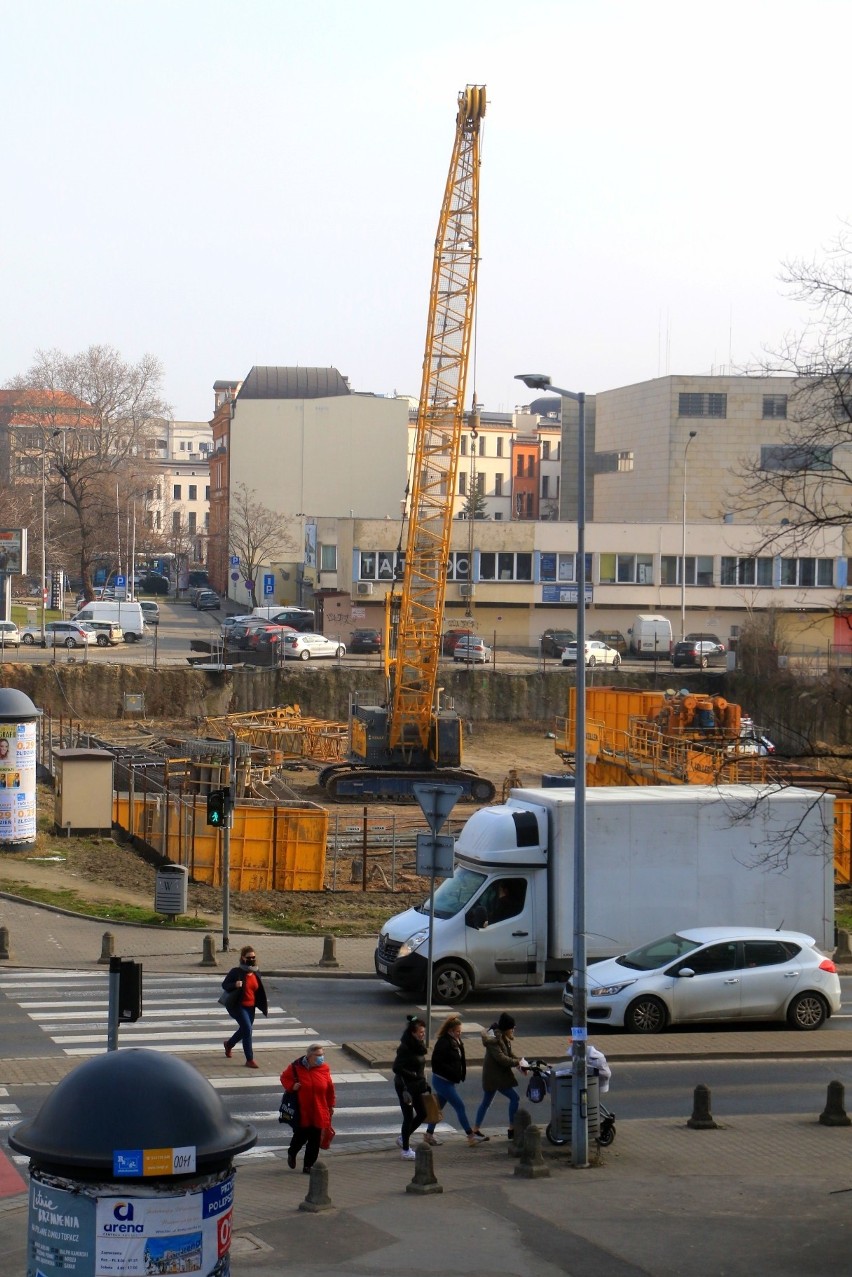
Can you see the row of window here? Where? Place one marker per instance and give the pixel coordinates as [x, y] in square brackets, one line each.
[612, 569]
[191, 492]
[716, 405]
[478, 447]
[464, 486]
[153, 520]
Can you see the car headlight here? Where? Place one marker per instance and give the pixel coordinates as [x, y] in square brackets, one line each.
[412, 943]
[610, 990]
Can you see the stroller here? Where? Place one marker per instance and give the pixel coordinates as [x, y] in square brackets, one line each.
[538, 1088]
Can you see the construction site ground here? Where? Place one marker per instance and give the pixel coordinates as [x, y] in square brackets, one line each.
[101, 869]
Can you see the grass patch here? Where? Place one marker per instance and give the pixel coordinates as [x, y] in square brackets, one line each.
[110, 910]
[843, 917]
[299, 921]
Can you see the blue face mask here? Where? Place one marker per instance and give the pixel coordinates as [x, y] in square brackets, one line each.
[319, 1059]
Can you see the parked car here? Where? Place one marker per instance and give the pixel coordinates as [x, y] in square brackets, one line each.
[150, 612]
[9, 634]
[714, 973]
[258, 636]
[236, 633]
[59, 634]
[366, 641]
[612, 638]
[473, 649]
[597, 653]
[705, 638]
[208, 601]
[554, 642]
[304, 647]
[449, 640]
[698, 652]
[107, 633]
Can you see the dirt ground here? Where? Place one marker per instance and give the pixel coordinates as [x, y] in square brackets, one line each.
[104, 870]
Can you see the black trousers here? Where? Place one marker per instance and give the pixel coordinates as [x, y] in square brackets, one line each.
[307, 1137]
[413, 1114]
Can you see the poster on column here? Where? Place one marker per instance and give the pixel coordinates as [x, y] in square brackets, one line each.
[17, 782]
[62, 1232]
[146, 1236]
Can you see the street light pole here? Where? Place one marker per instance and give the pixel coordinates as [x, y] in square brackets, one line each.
[579, 1019]
[692, 435]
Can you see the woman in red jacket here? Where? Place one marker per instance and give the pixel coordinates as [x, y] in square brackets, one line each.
[310, 1078]
[249, 994]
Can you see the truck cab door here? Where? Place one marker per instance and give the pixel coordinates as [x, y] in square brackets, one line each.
[500, 932]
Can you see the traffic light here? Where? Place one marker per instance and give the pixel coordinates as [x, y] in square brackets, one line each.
[218, 806]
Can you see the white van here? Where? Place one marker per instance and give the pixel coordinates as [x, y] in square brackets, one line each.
[127, 615]
[650, 637]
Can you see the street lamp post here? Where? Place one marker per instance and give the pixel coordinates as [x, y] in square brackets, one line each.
[579, 1020]
[44, 442]
[692, 435]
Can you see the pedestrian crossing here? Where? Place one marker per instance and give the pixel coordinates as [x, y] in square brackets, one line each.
[180, 1014]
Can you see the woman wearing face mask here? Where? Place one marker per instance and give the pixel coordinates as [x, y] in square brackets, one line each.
[246, 980]
[310, 1078]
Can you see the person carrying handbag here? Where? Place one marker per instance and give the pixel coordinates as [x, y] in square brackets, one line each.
[449, 1069]
[310, 1079]
[409, 1079]
[245, 981]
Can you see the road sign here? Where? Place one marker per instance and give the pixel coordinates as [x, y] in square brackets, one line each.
[268, 583]
[235, 560]
[235, 576]
[120, 581]
[434, 855]
[436, 802]
[248, 583]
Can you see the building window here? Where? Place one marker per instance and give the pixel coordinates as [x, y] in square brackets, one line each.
[193, 492]
[545, 449]
[182, 446]
[176, 492]
[754, 572]
[626, 569]
[458, 566]
[482, 445]
[206, 519]
[558, 567]
[702, 405]
[328, 558]
[462, 483]
[499, 445]
[520, 465]
[807, 572]
[545, 487]
[505, 566]
[380, 565]
[464, 445]
[774, 406]
[498, 485]
[191, 518]
[793, 458]
[480, 484]
[176, 521]
[613, 462]
[699, 569]
[157, 520]
[207, 492]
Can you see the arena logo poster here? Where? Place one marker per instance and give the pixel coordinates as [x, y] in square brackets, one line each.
[143, 1236]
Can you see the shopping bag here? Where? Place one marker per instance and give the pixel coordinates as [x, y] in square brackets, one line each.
[288, 1109]
[432, 1108]
[328, 1133]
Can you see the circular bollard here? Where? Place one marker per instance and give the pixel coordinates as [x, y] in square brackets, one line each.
[531, 1165]
[107, 948]
[523, 1121]
[834, 1113]
[4, 942]
[424, 1181]
[317, 1199]
[208, 952]
[702, 1118]
[131, 1163]
[329, 952]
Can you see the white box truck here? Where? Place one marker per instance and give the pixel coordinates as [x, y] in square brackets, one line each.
[650, 637]
[128, 615]
[658, 858]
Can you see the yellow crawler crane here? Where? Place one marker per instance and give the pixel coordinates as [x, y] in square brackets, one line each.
[410, 738]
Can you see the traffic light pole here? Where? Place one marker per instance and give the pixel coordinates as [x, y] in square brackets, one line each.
[226, 843]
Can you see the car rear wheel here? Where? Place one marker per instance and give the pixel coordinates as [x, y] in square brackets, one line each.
[29, 640]
[70, 642]
[704, 662]
[305, 655]
[130, 638]
[102, 640]
[591, 662]
[341, 652]
[646, 1015]
[807, 1011]
[616, 661]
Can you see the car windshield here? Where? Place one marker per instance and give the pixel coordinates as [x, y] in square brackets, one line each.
[454, 894]
[659, 952]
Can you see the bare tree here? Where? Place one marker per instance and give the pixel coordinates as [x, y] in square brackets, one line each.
[256, 533]
[95, 425]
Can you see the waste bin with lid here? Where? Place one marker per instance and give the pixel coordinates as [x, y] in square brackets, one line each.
[561, 1097]
[170, 889]
[131, 1170]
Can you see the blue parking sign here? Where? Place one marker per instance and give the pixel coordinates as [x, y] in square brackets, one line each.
[268, 583]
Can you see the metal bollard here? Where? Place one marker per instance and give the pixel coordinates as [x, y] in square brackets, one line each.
[4, 942]
[317, 1199]
[107, 948]
[834, 1113]
[329, 952]
[531, 1165]
[702, 1118]
[208, 952]
[424, 1175]
[523, 1121]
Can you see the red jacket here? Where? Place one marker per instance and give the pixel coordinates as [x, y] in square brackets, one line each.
[315, 1095]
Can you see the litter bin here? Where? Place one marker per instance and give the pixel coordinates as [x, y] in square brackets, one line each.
[170, 889]
[131, 1170]
[561, 1089]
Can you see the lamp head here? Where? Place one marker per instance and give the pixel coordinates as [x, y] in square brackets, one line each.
[693, 434]
[534, 380]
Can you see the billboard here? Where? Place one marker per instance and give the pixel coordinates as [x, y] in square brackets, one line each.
[17, 782]
[13, 550]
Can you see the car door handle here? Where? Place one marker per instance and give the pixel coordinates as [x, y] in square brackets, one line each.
[792, 975]
[520, 933]
[733, 980]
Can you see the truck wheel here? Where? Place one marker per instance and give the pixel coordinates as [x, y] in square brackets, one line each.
[551, 1138]
[646, 1015]
[130, 638]
[450, 983]
[807, 1011]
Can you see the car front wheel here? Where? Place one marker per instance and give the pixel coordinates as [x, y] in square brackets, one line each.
[704, 662]
[29, 640]
[807, 1011]
[70, 642]
[616, 661]
[591, 662]
[341, 652]
[305, 656]
[646, 1015]
[102, 640]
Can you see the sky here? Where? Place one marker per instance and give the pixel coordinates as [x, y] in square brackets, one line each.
[225, 183]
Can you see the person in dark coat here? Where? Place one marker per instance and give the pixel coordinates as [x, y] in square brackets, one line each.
[310, 1078]
[449, 1069]
[246, 979]
[409, 1079]
[497, 1070]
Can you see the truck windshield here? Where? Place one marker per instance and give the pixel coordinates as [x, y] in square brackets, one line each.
[454, 894]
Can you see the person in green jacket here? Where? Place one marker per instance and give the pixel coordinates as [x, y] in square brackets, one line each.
[498, 1070]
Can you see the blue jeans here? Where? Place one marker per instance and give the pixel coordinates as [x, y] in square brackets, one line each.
[447, 1094]
[511, 1094]
[244, 1017]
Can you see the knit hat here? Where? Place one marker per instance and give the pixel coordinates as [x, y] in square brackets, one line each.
[505, 1022]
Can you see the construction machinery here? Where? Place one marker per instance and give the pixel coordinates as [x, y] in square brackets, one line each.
[411, 737]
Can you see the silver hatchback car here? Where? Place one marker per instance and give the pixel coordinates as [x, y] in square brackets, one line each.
[713, 973]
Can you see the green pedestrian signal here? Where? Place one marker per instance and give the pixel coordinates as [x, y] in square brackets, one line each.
[218, 806]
